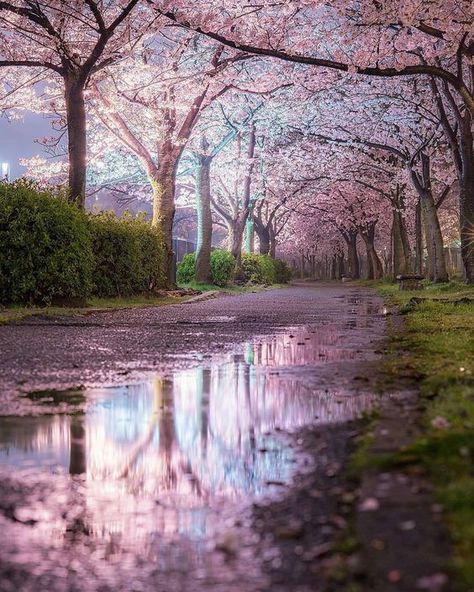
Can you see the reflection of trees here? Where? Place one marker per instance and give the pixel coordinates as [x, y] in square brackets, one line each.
[167, 434]
[77, 445]
[203, 394]
[158, 408]
[175, 441]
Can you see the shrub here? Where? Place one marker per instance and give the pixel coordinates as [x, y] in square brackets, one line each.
[222, 266]
[251, 268]
[127, 255]
[45, 246]
[267, 265]
[186, 269]
[262, 269]
[53, 250]
[283, 271]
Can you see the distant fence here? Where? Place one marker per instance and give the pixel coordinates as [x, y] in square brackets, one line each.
[182, 247]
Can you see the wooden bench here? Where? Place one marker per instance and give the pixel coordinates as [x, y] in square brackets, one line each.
[410, 282]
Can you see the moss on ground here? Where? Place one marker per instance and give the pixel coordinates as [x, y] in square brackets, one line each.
[16, 313]
[438, 349]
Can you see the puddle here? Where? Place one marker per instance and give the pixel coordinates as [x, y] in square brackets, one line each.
[135, 468]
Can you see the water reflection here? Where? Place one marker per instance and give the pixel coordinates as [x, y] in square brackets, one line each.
[157, 459]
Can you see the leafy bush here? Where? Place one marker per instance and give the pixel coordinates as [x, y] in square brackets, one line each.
[45, 246]
[251, 268]
[53, 250]
[222, 266]
[262, 269]
[267, 265]
[127, 255]
[283, 271]
[186, 269]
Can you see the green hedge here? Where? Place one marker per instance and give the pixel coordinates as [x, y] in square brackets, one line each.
[45, 246]
[50, 249]
[262, 269]
[222, 267]
[127, 255]
[256, 269]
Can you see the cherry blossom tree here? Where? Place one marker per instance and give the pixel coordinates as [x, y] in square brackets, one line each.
[376, 39]
[73, 42]
[152, 105]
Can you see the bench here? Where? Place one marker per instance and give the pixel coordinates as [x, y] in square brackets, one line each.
[410, 282]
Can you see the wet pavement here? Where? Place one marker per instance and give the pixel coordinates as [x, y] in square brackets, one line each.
[171, 461]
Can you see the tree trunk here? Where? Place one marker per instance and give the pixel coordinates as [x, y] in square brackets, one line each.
[407, 252]
[434, 239]
[263, 232]
[77, 140]
[264, 239]
[249, 235]
[302, 269]
[273, 244]
[204, 218]
[352, 255]
[163, 212]
[401, 252]
[401, 255]
[398, 258]
[374, 265]
[418, 240]
[236, 237]
[341, 267]
[467, 204]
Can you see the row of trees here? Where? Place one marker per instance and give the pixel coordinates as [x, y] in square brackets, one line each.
[319, 125]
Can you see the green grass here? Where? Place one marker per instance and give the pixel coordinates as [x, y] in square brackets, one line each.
[15, 313]
[232, 288]
[439, 341]
[10, 314]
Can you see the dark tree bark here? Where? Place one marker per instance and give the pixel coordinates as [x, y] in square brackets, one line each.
[460, 140]
[273, 242]
[350, 237]
[163, 185]
[434, 238]
[375, 269]
[418, 240]
[401, 252]
[466, 202]
[204, 215]
[302, 266]
[263, 234]
[77, 139]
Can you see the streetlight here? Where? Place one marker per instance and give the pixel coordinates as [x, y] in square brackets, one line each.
[5, 171]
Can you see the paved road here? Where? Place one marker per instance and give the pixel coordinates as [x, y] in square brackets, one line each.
[158, 485]
[43, 352]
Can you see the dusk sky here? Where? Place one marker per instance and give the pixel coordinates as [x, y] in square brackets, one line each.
[17, 140]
